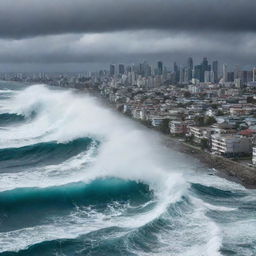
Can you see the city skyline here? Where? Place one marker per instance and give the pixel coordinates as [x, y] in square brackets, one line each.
[150, 75]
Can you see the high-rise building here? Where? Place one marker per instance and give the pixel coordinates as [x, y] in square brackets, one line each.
[254, 75]
[160, 67]
[204, 67]
[225, 73]
[243, 77]
[215, 69]
[186, 76]
[121, 69]
[143, 68]
[236, 71]
[208, 76]
[231, 76]
[176, 72]
[128, 69]
[190, 68]
[249, 76]
[182, 76]
[197, 72]
[190, 63]
[238, 83]
[112, 70]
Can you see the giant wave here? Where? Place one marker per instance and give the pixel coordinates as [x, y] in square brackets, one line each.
[78, 179]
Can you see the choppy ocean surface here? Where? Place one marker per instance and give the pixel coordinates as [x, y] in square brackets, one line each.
[78, 179]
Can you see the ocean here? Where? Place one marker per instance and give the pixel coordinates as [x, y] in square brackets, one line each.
[76, 178]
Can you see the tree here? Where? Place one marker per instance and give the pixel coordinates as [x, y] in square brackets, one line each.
[164, 126]
[199, 120]
[182, 116]
[219, 113]
[187, 94]
[190, 138]
[147, 123]
[251, 100]
[214, 106]
[204, 143]
[209, 120]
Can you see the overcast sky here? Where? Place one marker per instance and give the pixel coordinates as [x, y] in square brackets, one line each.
[86, 34]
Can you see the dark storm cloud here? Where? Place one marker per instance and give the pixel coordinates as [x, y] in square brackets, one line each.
[128, 46]
[28, 18]
[81, 32]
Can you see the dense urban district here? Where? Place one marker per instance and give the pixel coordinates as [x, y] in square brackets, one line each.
[211, 108]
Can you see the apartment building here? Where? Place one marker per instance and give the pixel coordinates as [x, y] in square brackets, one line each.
[230, 145]
[177, 127]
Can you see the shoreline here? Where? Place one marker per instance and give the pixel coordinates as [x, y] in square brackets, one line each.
[224, 167]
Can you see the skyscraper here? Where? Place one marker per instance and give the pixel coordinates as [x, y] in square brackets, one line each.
[225, 73]
[112, 70]
[208, 76]
[254, 75]
[121, 69]
[197, 72]
[176, 72]
[231, 76]
[190, 68]
[160, 67]
[204, 67]
[190, 63]
[215, 69]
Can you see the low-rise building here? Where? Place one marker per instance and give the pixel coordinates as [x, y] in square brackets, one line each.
[254, 155]
[157, 120]
[177, 127]
[231, 145]
[196, 132]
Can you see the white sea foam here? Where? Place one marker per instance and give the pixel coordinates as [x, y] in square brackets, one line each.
[126, 151]
[81, 222]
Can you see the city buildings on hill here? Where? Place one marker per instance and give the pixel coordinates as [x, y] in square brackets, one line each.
[210, 105]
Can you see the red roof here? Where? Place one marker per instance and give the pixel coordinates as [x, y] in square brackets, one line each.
[247, 132]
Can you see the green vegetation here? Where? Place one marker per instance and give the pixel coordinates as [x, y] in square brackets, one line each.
[204, 120]
[204, 144]
[164, 126]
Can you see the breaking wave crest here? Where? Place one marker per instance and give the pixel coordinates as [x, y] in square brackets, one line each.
[41, 153]
[78, 179]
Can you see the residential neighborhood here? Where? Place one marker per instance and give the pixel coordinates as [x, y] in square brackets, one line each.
[212, 109]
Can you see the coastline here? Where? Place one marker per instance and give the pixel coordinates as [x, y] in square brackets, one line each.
[224, 167]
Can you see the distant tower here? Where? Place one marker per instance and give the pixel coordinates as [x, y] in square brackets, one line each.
[237, 71]
[215, 69]
[112, 70]
[175, 67]
[190, 68]
[176, 72]
[190, 63]
[160, 67]
[121, 69]
[204, 67]
[225, 73]
[254, 75]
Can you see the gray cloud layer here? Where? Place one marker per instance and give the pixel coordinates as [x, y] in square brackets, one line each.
[104, 31]
[127, 46]
[28, 18]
